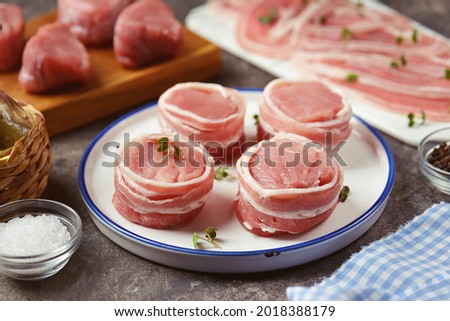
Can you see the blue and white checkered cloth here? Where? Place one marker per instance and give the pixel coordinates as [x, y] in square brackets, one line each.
[411, 264]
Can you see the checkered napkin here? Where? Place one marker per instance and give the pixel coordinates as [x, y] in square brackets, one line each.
[411, 264]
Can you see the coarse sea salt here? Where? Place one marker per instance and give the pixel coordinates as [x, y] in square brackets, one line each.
[32, 235]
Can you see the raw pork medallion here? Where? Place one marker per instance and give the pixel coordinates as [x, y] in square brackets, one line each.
[147, 32]
[91, 21]
[54, 58]
[286, 185]
[207, 113]
[310, 109]
[160, 191]
[11, 36]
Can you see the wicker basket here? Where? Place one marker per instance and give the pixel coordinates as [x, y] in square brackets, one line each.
[24, 168]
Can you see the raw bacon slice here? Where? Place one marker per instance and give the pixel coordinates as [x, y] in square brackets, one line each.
[309, 109]
[54, 58]
[147, 32]
[343, 26]
[282, 28]
[160, 191]
[286, 185]
[398, 66]
[418, 86]
[271, 27]
[11, 36]
[91, 21]
[207, 113]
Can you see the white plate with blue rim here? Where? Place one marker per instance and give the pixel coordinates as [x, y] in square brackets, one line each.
[366, 155]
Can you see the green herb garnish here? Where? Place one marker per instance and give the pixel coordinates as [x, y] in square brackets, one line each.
[256, 118]
[447, 73]
[346, 33]
[221, 173]
[414, 36]
[394, 64]
[343, 194]
[164, 147]
[178, 152]
[163, 144]
[360, 4]
[423, 116]
[209, 237]
[412, 119]
[403, 60]
[323, 20]
[352, 77]
[269, 18]
[399, 40]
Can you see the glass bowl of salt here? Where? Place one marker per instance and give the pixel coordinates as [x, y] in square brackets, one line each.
[37, 238]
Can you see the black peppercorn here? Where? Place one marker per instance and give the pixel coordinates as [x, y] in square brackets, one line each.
[440, 157]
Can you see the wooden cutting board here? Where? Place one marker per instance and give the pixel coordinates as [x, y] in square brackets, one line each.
[113, 88]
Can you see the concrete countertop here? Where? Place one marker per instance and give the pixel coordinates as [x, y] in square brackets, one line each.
[101, 270]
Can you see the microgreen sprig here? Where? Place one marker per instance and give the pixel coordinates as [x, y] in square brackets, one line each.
[412, 119]
[256, 118]
[163, 144]
[269, 18]
[403, 60]
[352, 77]
[164, 147]
[447, 73]
[343, 194]
[210, 236]
[221, 173]
[414, 36]
[394, 64]
[346, 33]
[423, 116]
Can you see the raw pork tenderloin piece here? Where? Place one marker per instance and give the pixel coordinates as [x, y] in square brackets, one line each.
[91, 21]
[11, 36]
[310, 109]
[210, 114]
[147, 32]
[160, 191]
[52, 59]
[286, 185]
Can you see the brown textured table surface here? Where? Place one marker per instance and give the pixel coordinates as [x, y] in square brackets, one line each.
[101, 270]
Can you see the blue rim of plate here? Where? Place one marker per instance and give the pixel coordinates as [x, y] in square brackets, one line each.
[146, 241]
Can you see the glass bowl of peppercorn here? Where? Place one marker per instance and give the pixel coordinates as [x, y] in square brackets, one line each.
[434, 158]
